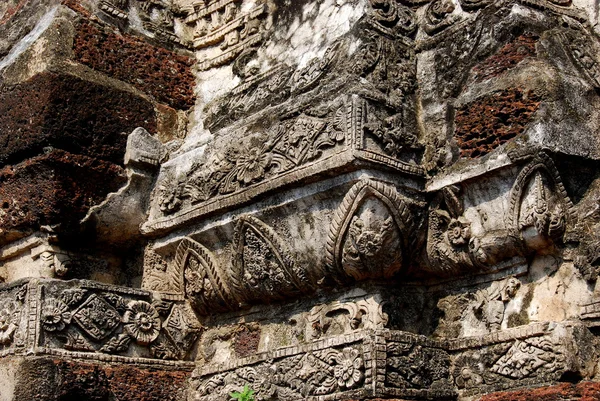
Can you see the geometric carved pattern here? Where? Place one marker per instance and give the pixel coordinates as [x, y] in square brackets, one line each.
[97, 317]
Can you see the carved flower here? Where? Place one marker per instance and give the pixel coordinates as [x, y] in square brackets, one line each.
[55, 315]
[252, 166]
[349, 370]
[369, 240]
[459, 232]
[142, 322]
[9, 316]
[169, 197]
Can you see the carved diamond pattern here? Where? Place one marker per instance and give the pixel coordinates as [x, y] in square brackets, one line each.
[97, 317]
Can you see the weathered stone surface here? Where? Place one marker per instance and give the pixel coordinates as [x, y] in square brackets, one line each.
[163, 74]
[325, 200]
[57, 188]
[53, 111]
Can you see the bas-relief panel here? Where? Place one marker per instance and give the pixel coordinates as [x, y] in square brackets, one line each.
[350, 110]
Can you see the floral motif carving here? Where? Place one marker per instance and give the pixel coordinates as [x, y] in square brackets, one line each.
[263, 268]
[142, 322]
[204, 280]
[451, 248]
[366, 235]
[55, 315]
[529, 357]
[262, 156]
[295, 377]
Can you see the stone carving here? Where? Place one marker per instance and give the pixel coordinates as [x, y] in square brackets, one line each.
[540, 208]
[315, 373]
[393, 136]
[449, 234]
[491, 302]
[581, 53]
[204, 281]
[183, 327]
[55, 263]
[55, 315]
[141, 321]
[471, 5]
[439, 16]
[253, 94]
[307, 77]
[11, 309]
[96, 317]
[144, 150]
[82, 320]
[529, 357]
[115, 8]
[222, 26]
[263, 269]
[262, 156]
[415, 366]
[471, 369]
[344, 317]
[367, 235]
[158, 275]
[392, 17]
[158, 17]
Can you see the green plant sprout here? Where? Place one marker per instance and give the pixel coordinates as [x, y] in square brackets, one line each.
[247, 394]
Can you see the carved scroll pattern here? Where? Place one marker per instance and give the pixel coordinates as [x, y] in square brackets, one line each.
[316, 373]
[344, 317]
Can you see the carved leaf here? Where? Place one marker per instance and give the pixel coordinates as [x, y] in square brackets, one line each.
[117, 344]
[117, 301]
[73, 296]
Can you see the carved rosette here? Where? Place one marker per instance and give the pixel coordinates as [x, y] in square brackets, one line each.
[263, 268]
[367, 237]
[92, 318]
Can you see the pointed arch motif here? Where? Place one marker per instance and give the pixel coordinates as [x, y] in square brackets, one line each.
[202, 279]
[541, 169]
[369, 231]
[262, 268]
